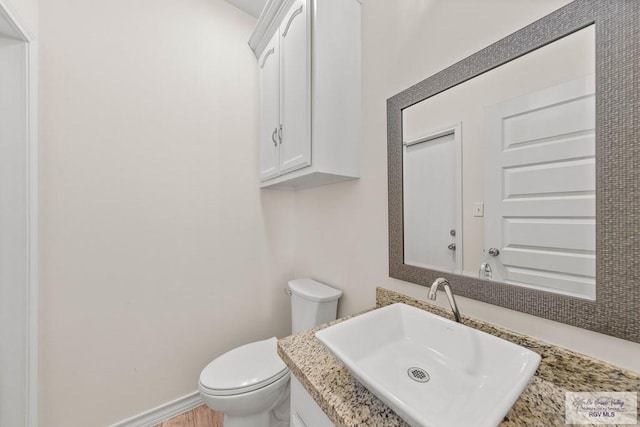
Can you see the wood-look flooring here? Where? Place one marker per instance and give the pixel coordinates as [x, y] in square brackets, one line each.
[202, 416]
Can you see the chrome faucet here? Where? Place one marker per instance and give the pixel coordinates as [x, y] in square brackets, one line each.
[447, 289]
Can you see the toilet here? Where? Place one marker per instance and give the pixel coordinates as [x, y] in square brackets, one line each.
[250, 384]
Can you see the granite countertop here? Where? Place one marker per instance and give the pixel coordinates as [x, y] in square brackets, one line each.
[347, 403]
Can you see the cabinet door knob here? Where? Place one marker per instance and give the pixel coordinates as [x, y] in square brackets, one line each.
[273, 137]
[494, 252]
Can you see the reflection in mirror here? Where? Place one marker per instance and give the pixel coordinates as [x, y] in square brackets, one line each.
[432, 200]
[515, 178]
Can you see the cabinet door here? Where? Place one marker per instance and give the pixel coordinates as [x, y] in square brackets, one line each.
[269, 109]
[295, 73]
[305, 412]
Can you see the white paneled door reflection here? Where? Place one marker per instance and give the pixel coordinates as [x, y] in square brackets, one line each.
[432, 198]
[540, 189]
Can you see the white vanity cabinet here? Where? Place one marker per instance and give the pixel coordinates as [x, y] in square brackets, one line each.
[310, 104]
[305, 412]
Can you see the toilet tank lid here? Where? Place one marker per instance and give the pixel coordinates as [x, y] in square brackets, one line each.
[313, 290]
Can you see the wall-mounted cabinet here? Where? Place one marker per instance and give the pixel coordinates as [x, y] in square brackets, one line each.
[285, 137]
[310, 104]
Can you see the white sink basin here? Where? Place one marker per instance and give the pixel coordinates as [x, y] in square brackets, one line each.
[473, 378]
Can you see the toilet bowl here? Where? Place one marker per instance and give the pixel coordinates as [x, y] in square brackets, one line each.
[250, 384]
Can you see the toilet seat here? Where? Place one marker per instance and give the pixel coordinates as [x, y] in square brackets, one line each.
[243, 369]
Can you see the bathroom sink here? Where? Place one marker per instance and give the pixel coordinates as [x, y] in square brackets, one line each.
[429, 370]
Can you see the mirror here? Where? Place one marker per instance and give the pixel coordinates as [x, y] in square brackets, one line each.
[514, 172]
[499, 172]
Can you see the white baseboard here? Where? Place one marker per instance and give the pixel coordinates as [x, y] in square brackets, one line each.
[163, 412]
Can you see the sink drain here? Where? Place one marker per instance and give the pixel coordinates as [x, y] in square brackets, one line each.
[418, 374]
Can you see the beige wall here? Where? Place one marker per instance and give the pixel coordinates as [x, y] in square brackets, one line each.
[341, 230]
[158, 250]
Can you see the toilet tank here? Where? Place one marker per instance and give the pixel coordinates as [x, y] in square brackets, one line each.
[312, 303]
